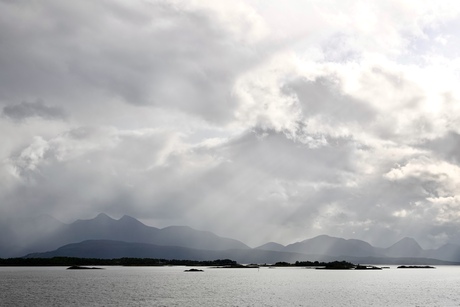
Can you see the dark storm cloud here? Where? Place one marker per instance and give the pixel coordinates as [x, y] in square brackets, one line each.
[157, 53]
[446, 147]
[33, 109]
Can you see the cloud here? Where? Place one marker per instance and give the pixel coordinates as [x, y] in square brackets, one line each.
[285, 121]
[168, 54]
[446, 147]
[33, 109]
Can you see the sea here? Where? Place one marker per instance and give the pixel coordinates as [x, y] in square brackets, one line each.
[172, 286]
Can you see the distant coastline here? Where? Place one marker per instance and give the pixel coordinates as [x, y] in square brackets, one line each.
[83, 263]
[79, 267]
[415, 267]
[74, 262]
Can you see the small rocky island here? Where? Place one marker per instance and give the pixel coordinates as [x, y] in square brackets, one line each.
[343, 265]
[415, 267]
[194, 270]
[337, 265]
[78, 267]
[367, 267]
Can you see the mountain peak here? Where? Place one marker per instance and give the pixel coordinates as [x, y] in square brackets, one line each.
[127, 218]
[103, 216]
[406, 247]
[327, 245]
[271, 246]
[324, 238]
[406, 241]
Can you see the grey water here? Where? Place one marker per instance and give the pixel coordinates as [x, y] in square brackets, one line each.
[171, 286]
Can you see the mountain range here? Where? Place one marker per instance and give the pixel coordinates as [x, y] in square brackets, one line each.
[105, 237]
[126, 229]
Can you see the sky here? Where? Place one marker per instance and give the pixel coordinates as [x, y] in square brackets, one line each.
[258, 120]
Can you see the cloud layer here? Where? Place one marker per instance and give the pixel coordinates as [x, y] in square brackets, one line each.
[249, 119]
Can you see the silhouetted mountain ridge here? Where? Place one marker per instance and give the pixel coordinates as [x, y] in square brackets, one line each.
[108, 249]
[271, 246]
[127, 229]
[326, 245]
[406, 248]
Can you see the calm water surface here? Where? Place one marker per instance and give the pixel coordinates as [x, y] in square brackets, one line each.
[171, 286]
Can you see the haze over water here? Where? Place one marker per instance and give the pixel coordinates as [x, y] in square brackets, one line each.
[171, 286]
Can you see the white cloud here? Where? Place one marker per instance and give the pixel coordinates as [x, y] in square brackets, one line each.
[301, 118]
